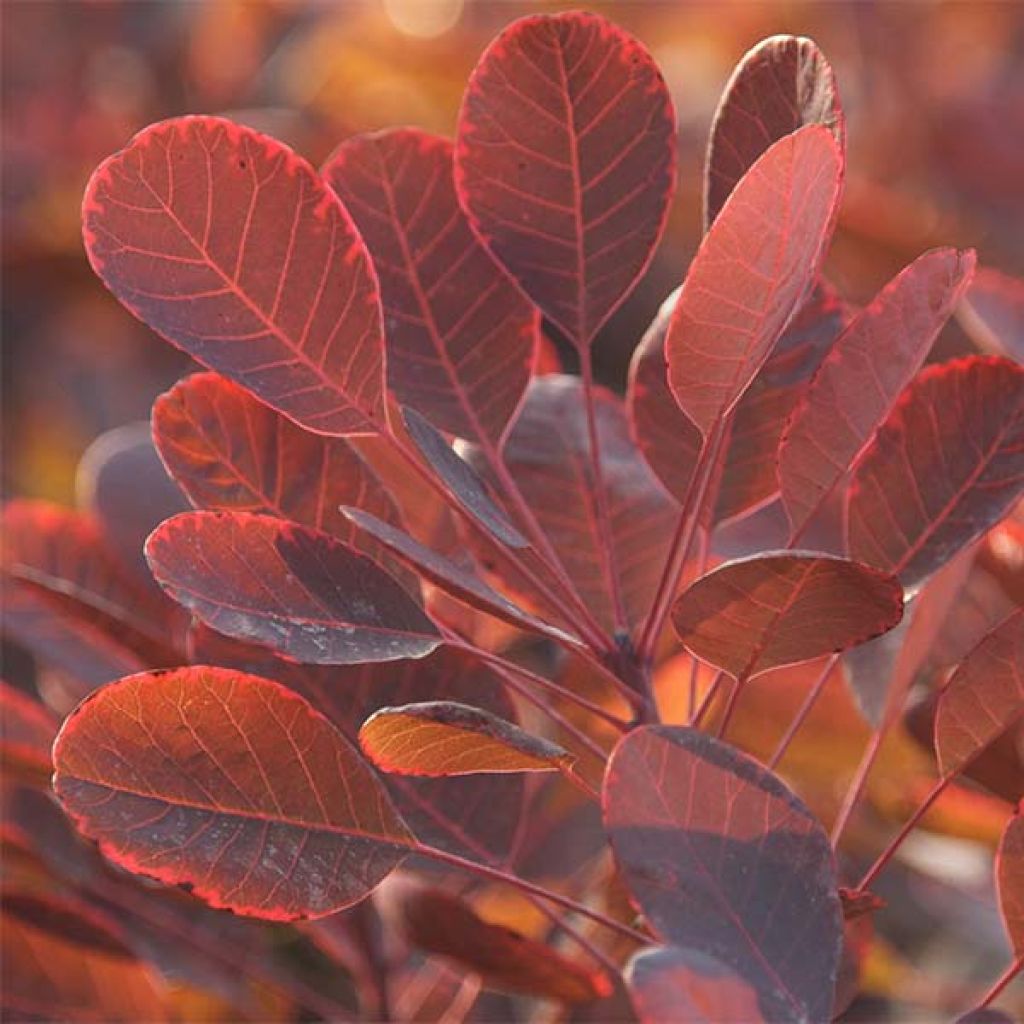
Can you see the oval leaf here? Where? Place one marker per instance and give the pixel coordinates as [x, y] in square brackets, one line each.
[232, 785]
[723, 859]
[921, 493]
[231, 247]
[782, 84]
[1010, 882]
[442, 737]
[297, 590]
[460, 338]
[858, 383]
[565, 163]
[983, 699]
[752, 271]
[770, 610]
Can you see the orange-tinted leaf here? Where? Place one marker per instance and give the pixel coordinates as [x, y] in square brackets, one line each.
[923, 490]
[770, 610]
[723, 859]
[232, 248]
[300, 591]
[752, 271]
[1010, 882]
[460, 338]
[232, 785]
[440, 738]
[565, 163]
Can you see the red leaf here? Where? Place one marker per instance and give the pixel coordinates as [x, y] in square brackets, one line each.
[770, 610]
[992, 313]
[752, 271]
[1010, 882]
[723, 859]
[460, 339]
[442, 738]
[27, 730]
[857, 385]
[232, 248]
[921, 493]
[674, 984]
[984, 698]
[782, 84]
[297, 590]
[228, 451]
[565, 163]
[231, 785]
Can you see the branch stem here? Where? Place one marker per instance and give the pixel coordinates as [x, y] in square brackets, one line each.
[805, 709]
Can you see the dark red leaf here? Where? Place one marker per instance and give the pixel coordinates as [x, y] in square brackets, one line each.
[752, 271]
[723, 859]
[984, 698]
[565, 163]
[27, 730]
[460, 338]
[674, 984]
[782, 84]
[921, 493]
[992, 313]
[857, 385]
[776, 609]
[232, 248]
[461, 480]
[442, 738]
[229, 451]
[1010, 882]
[232, 785]
[276, 583]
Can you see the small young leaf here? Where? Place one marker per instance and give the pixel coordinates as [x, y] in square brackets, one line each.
[276, 583]
[232, 785]
[770, 610]
[724, 860]
[923, 490]
[565, 163]
[752, 271]
[460, 338]
[1010, 882]
[231, 247]
[440, 738]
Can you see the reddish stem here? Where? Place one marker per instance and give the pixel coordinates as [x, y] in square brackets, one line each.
[709, 699]
[1002, 981]
[731, 706]
[805, 709]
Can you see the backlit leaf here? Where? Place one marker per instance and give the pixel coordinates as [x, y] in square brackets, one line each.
[859, 381]
[984, 698]
[298, 590]
[752, 271]
[460, 338]
[782, 84]
[231, 247]
[770, 610]
[565, 162]
[439, 738]
[232, 785]
[1010, 882]
[947, 465]
[724, 860]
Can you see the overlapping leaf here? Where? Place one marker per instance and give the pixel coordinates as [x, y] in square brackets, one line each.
[300, 591]
[565, 162]
[947, 464]
[232, 248]
[859, 381]
[460, 338]
[782, 84]
[723, 859]
[752, 271]
[770, 610]
[231, 784]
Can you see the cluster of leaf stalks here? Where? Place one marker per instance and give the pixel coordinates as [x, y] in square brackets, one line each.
[429, 584]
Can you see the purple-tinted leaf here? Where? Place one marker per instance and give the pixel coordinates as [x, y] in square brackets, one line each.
[857, 385]
[782, 84]
[275, 583]
[723, 859]
[565, 163]
[460, 338]
[947, 464]
[231, 784]
[751, 273]
[232, 248]
[992, 313]
[777, 609]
